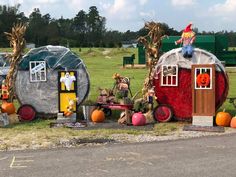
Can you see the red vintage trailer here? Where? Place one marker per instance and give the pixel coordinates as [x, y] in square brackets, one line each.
[173, 83]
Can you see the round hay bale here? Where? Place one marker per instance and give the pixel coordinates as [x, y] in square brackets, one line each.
[43, 95]
[179, 97]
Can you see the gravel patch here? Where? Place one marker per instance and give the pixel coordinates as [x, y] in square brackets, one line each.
[99, 140]
[129, 138]
[126, 138]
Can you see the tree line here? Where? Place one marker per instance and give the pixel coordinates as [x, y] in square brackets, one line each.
[86, 29]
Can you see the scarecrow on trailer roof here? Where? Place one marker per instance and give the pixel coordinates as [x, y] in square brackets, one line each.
[187, 39]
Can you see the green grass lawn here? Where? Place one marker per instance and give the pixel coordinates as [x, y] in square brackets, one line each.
[101, 65]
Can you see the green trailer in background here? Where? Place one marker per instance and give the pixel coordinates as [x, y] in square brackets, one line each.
[216, 44]
[141, 54]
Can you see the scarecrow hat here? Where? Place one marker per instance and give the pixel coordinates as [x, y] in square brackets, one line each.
[188, 28]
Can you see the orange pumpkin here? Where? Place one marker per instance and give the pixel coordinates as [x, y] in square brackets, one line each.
[203, 79]
[233, 122]
[8, 108]
[98, 115]
[223, 119]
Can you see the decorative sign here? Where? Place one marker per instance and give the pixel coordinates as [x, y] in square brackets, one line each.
[37, 71]
[169, 75]
[37, 68]
[168, 71]
[68, 80]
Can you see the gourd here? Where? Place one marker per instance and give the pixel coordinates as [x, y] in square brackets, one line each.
[98, 115]
[203, 79]
[233, 122]
[223, 119]
[8, 108]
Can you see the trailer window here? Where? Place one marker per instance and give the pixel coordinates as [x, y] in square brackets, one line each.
[169, 75]
[38, 71]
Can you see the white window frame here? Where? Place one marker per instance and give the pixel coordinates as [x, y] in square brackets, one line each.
[202, 70]
[171, 76]
[38, 71]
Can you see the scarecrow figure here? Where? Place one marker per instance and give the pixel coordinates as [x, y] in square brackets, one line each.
[122, 84]
[70, 108]
[151, 97]
[187, 39]
[4, 92]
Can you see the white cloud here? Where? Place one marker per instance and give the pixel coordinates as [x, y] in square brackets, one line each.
[11, 2]
[118, 5]
[120, 9]
[46, 1]
[150, 15]
[223, 13]
[224, 9]
[183, 3]
[142, 2]
[77, 4]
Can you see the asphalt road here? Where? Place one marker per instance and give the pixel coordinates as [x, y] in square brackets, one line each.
[204, 157]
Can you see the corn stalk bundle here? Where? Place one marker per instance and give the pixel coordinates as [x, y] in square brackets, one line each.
[17, 42]
[152, 44]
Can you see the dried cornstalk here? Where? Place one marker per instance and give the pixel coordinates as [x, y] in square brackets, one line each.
[17, 42]
[152, 44]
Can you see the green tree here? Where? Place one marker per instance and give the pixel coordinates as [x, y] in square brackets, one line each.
[80, 28]
[9, 15]
[53, 33]
[39, 27]
[66, 33]
[80, 22]
[112, 39]
[95, 26]
[35, 27]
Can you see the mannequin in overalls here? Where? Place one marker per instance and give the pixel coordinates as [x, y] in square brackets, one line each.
[187, 39]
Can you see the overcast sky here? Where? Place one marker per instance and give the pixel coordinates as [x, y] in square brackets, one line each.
[123, 15]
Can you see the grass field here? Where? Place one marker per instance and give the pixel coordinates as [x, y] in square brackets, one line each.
[101, 68]
[101, 65]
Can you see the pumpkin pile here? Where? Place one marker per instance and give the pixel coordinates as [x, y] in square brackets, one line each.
[9, 108]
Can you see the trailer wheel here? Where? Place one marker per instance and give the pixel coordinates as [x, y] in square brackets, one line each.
[26, 112]
[107, 111]
[163, 113]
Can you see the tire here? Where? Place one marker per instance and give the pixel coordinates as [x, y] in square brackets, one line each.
[163, 113]
[107, 111]
[26, 112]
